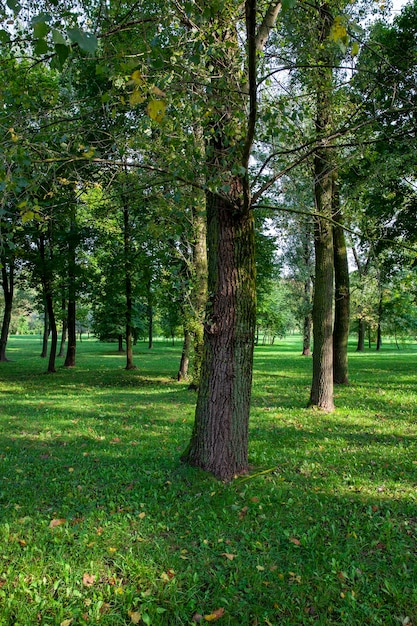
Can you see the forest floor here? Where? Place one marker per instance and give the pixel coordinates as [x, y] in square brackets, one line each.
[101, 524]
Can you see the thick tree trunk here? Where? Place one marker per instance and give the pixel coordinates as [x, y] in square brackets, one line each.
[8, 291]
[220, 437]
[321, 395]
[342, 297]
[185, 356]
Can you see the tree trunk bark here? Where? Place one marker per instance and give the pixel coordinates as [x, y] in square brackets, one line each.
[219, 440]
[361, 336]
[64, 330]
[185, 356]
[54, 331]
[8, 291]
[120, 343]
[128, 286]
[150, 314]
[321, 395]
[199, 295]
[379, 329]
[72, 332]
[45, 335]
[307, 335]
[342, 296]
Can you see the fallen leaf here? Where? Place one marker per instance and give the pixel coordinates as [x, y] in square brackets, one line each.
[135, 616]
[57, 522]
[243, 512]
[260, 568]
[217, 614]
[254, 499]
[115, 440]
[66, 622]
[142, 515]
[88, 579]
[295, 541]
[197, 617]
[228, 555]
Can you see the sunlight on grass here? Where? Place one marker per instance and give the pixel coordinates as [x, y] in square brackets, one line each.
[100, 522]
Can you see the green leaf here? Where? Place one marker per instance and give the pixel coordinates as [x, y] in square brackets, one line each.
[41, 47]
[86, 41]
[62, 52]
[4, 36]
[14, 6]
[58, 38]
[288, 4]
[40, 30]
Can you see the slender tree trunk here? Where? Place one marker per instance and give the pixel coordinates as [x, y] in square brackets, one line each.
[72, 332]
[120, 343]
[72, 292]
[361, 336]
[53, 327]
[185, 356]
[46, 331]
[149, 305]
[342, 296]
[379, 329]
[64, 330]
[128, 285]
[8, 291]
[307, 335]
[199, 295]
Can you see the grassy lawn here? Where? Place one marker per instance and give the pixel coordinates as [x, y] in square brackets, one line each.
[100, 523]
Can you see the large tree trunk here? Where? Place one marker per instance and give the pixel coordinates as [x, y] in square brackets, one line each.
[321, 395]
[8, 291]
[219, 442]
[342, 296]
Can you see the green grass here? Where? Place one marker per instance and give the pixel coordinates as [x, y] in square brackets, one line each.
[323, 530]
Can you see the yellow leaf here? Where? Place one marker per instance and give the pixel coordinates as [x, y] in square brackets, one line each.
[135, 616]
[260, 568]
[13, 134]
[338, 32]
[136, 78]
[156, 110]
[136, 97]
[142, 515]
[27, 216]
[355, 48]
[66, 622]
[215, 615]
